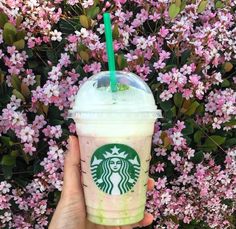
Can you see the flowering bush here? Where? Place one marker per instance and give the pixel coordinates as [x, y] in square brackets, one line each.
[185, 51]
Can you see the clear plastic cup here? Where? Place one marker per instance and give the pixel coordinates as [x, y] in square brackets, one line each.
[115, 133]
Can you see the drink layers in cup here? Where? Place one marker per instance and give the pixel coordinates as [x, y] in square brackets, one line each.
[115, 133]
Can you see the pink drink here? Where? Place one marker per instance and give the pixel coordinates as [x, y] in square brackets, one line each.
[115, 132]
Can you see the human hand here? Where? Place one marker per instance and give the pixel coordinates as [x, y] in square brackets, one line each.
[71, 211]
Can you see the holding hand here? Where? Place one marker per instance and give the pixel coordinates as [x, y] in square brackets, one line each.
[71, 212]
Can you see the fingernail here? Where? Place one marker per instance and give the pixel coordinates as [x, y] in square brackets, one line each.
[70, 137]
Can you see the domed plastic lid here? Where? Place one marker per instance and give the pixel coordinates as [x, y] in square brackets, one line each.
[133, 96]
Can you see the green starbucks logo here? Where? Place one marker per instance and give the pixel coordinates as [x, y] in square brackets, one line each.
[115, 168]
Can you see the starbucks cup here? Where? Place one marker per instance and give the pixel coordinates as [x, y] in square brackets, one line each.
[115, 133]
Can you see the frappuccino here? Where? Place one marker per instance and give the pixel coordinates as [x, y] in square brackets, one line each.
[115, 132]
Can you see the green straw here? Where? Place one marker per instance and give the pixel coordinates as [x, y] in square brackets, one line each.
[110, 52]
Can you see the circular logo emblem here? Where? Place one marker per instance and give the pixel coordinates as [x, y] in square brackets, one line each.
[115, 168]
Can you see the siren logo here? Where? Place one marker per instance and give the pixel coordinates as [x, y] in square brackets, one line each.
[115, 168]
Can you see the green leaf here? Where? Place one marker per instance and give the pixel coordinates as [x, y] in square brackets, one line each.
[52, 56]
[188, 127]
[219, 5]
[8, 160]
[57, 196]
[33, 63]
[166, 126]
[29, 53]
[185, 56]
[228, 202]
[225, 83]
[178, 3]
[9, 33]
[188, 139]
[16, 82]
[121, 62]
[173, 110]
[37, 168]
[19, 44]
[84, 55]
[55, 122]
[170, 171]
[6, 141]
[178, 100]
[93, 12]
[3, 19]
[169, 114]
[192, 108]
[215, 139]
[202, 6]
[38, 80]
[45, 108]
[14, 153]
[198, 157]
[212, 142]
[19, 19]
[26, 158]
[173, 10]
[174, 219]
[200, 109]
[78, 69]
[166, 105]
[230, 123]
[54, 113]
[82, 47]
[230, 142]
[228, 66]
[68, 26]
[2, 78]
[18, 95]
[183, 5]
[7, 171]
[25, 90]
[198, 136]
[115, 32]
[20, 35]
[85, 21]
[186, 105]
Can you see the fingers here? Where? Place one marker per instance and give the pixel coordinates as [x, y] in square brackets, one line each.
[150, 184]
[72, 177]
[147, 220]
[126, 227]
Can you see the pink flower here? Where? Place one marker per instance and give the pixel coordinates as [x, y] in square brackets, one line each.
[29, 148]
[163, 32]
[87, 3]
[72, 128]
[165, 198]
[72, 38]
[165, 95]
[160, 167]
[160, 183]
[26, 134]
[31, 43]
[65, 60]
[160, 151]
[5, 187]
[177, 138]
[120, 1]
[194, 79]
[174, 158]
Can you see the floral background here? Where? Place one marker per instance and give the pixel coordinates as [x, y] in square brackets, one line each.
[185, 50]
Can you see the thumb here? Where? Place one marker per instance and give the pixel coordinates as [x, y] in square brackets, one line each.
[72, 177]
